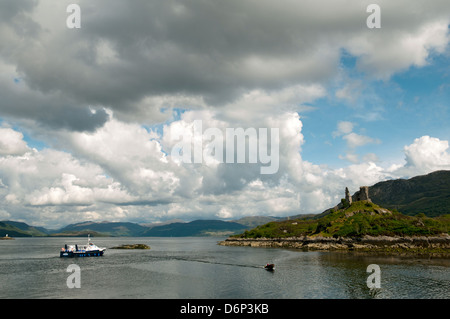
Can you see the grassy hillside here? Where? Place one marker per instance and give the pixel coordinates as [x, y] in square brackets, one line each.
[18, 229]
[428, 194]
[359, 219]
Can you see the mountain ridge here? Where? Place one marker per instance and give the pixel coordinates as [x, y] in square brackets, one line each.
[428, 194]
[126, 229]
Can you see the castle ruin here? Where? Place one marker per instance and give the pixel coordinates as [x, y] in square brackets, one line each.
[348, 197]
[362, 194]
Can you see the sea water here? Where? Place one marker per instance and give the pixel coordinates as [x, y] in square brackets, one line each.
[196, 267]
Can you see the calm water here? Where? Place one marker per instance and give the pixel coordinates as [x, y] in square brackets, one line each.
[199, 268]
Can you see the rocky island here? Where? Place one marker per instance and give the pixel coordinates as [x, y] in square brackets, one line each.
[355, 224]
[132, 246]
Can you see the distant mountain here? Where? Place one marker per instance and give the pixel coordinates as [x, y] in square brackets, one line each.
[19, 229]
[117, 229]
[428, 194]
[253, 221]
[196, 228]
[151, 225]
[102, 229]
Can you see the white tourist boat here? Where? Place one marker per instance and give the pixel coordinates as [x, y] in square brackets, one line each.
[89, 250]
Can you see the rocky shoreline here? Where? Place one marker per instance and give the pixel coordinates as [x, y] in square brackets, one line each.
[418, 244]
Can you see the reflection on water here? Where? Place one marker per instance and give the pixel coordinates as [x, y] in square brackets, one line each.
[199, 268]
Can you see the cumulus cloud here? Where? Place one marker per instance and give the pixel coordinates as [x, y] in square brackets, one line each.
[411, 48]
[424, 155]
[140, 58]
[122, 173]
[47, 178]
[124, 165]
[12, 143]
[112, 99]
[67, 192]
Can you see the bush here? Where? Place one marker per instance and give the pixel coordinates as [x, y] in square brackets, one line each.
[345, 203]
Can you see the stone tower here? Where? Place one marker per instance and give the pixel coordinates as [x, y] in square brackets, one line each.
[348, 197]
[362, 194]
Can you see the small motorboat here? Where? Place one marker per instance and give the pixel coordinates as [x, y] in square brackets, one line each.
[269, 267]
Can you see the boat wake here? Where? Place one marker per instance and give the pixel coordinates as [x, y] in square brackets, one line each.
[213, 262]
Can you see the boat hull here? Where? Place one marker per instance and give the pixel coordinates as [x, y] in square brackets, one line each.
[269, 267]
[71, 254]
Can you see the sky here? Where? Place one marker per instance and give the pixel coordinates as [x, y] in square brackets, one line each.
[90, 117]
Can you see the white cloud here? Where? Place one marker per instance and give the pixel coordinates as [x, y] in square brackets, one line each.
[350, 156]
[67, 192]
[224, 213]
[48, 180]
[129, 153]
[356, 140]
[381, 57]
[343, 127]
[11, 142]
[424, 155]
[371, 157]
[353, 141]
[45, 184]
[350, 91]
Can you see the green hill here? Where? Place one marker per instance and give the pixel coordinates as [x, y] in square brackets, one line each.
[359, 219]
[102, 229]
[18, 229]
[428, 194]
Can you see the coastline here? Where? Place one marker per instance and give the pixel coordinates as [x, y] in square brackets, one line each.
[439, 244]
